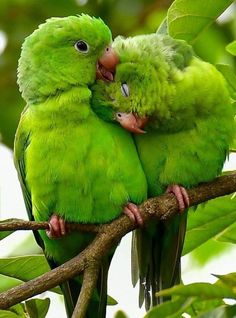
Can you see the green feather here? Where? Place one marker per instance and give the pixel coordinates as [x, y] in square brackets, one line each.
[186, 142]
[69, 161]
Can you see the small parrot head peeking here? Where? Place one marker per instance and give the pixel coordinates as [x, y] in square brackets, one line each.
[124, 101]
[130, 99]
[149, 69]
[65, 52]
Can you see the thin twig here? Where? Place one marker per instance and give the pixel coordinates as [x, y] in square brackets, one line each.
[90, 278]
[161, 207]
[18, 224]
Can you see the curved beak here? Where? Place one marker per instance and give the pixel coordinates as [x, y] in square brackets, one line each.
[106, 65]
[132, 122]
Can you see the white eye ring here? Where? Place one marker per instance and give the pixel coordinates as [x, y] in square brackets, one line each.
[125, 90]
[81, 46]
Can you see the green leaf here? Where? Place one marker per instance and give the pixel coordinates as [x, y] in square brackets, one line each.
[202, 290]
[19, 309]
[228, 279]
[178, 305]
[230, 76]
[200, 306]
[220, 312]
[16, 311]
[8, 314]
[25, 268]
[111, 301]
[37, 308]
[120, 314]
[228, 235]
[209, 220]
[4, 234]
[172, 308]
[208, 251]
[8, 282]
[231, 48]
[187, 19]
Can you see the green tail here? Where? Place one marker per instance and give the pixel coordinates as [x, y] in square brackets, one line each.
[156, 253]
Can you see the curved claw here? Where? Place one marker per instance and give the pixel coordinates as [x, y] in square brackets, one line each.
[57, 227]
[133, 213]
[180, 194]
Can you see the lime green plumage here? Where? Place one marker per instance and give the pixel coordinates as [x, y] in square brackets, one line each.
[186, 142]
[69, 161]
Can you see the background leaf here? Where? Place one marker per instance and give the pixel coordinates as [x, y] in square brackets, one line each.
[187, 19]
[111, 301]
[120, 314]
[208, 221]
[25, 268]
[231, 48]
[202, 290]
[170, 309]
[10, 314]
[230, 76]
[228, 279]
[4, 234]
[13, 312]
[8, 282]
[221, 312]
[37, 308]
[228, 235]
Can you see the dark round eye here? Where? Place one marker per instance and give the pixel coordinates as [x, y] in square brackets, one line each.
[82, 46]
[119, 115]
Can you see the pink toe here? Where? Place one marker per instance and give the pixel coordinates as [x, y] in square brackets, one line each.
[132, 211]
[180, 194]
[130, 215]
[57, 227]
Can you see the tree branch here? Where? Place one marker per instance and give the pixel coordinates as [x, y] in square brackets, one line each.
[18, 224]
[161, 207]
[89, 282]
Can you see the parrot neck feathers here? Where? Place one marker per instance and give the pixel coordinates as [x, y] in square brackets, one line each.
[75, 101]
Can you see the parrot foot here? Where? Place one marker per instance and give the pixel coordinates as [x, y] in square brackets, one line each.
[133, 213]
[180, 194]
[57, 227]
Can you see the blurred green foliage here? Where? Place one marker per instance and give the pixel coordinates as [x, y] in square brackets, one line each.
[18, 18]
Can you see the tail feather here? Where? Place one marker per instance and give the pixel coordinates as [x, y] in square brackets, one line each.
[102, 284]
[70, 292]
[156, 253]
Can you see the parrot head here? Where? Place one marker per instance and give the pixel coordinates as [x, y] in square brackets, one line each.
[149, 67]
[65, 52]
[131, 99]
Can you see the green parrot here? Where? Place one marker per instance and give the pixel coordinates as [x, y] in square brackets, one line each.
[184, 105]
[72, 166]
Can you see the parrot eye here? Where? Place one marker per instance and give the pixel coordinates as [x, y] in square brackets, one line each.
[125, 90]
[81, 46]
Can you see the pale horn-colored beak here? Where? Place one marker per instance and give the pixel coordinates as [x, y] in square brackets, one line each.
[132, 122]
[106, 65]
